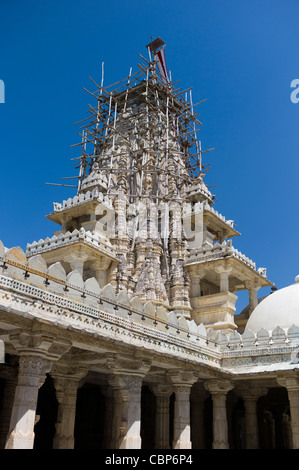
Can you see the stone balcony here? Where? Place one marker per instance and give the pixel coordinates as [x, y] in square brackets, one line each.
[215, 311]
[210, 252]
[71, 238]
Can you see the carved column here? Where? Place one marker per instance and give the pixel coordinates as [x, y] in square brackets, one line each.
[291, 383]
[38, 349]
[252, 292]
[32, 374]
[162, 393]
[224, 272]
[126, 381]
[219, 390]
[196, 279]
[10, 375]
[250, 395]
[182, 383]
[66, 384]
[127, 411]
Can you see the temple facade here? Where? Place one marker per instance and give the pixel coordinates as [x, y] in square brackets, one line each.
[119, 331]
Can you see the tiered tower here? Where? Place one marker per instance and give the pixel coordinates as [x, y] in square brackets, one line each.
[143, 218]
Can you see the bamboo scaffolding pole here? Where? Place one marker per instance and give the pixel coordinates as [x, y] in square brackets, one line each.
[141, 180]
[113, 145]
[64, 185]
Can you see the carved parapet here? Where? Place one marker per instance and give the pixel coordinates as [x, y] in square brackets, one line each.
[217, 251]
[263, 338]
[82, 198]
[68, 239]
[262, 349]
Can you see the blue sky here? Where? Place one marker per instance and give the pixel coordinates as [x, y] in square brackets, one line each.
[240, 56]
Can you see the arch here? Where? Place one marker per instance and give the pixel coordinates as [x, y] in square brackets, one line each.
[46, 413]
[148, 412]
[90, 417]
[271, 411]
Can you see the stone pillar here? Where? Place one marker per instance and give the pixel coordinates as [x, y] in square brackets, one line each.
[32, 374]
[126, 381]
[102, 277]
[162, 393]
[252, 292]
[10, 375]
[224, 272]
[219, 390]
[127, 411]
[77, 265]
[291, 383]
[66, 386]
[182, 383]
[250, 395]
[196, 279]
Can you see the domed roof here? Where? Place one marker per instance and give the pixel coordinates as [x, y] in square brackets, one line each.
[281, 308]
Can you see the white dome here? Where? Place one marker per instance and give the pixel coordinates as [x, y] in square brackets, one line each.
[281, 308]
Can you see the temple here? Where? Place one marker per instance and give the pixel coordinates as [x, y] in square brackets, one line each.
[120, 330]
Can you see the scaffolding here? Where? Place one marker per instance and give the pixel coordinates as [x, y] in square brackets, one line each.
[142, 128]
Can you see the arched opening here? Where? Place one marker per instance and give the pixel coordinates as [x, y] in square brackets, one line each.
[90, 417]
[236, 421]
[208, 423]
[171, 418]
[273, 411]
[148, 414]
[46, 415]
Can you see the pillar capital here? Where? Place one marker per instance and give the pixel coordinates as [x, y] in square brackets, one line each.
[162, 390]
[218, 386]
[33, 369]
[197, 273]
[250, 391]
[126, 384]
[289, 381]
[182, 378]
[250, 285]
[127, 366]
[66, 369]
[223, 269]
[39, 342]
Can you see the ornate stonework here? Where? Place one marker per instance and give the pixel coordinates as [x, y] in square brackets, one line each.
[134, 297]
